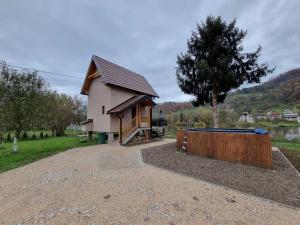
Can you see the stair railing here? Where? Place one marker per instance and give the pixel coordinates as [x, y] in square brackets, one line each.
[128, 127]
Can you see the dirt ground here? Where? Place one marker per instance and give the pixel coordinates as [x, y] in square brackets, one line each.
[281, 183]
[107, 184]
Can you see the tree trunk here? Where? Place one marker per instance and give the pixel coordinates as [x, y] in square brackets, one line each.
[215, 110]
[17, 133]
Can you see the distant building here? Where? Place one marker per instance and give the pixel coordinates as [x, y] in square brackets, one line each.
[290, 115]
[261, 117]
[273, 115]
[246, 118]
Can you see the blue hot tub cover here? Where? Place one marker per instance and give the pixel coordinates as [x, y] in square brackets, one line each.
[248, 131]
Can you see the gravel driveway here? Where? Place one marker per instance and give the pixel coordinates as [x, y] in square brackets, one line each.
[281, 183]
[109, 184]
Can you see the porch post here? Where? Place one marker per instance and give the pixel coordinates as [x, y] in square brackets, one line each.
[120, 131]
[90, 136]
[137, 115]
[150, 120]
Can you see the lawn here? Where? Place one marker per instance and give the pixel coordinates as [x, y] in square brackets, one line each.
[295, 146]
[32, 150]
[291, 149]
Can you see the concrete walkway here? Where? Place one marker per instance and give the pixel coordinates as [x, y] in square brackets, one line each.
[108, 184]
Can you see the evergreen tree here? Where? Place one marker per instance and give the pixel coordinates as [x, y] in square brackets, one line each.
[215, 63]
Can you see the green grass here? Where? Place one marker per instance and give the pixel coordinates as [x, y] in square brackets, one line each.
[32, 150]
[291, 149]
[289, 145]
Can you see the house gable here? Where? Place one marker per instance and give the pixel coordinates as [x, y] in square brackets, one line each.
[112, 74]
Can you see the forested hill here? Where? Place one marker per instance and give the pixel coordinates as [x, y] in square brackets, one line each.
[276, 94]
[279, 93]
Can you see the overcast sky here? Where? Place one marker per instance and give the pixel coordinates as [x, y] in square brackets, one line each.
[143, 36]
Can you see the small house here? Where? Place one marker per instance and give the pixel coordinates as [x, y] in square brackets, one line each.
[274, 115]
[120, 102]
[246, 118]
[290, 115]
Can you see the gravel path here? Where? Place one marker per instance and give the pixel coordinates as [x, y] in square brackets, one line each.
[281, 183]
[108, 184]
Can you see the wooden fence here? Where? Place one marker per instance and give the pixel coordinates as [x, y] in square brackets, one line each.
[179, 138]
[249, 149]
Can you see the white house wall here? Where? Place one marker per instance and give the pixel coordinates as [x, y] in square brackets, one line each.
[99, 95]
[118, 96]
[103, 95]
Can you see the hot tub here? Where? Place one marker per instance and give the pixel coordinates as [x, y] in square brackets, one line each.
[247, 146]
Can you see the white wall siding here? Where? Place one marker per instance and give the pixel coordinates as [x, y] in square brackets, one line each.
[99, 95]
[118, 95]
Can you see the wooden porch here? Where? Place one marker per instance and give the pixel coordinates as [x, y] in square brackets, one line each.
[140, 120]
[135, 117]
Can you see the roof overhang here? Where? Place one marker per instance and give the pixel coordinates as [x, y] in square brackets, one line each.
[91, 74]
[131, 102]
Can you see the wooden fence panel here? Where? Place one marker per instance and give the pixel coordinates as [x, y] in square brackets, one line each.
[179, 138]
[249, 149]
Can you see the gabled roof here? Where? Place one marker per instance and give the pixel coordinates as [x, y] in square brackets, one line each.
[128, 103]
[113, 74]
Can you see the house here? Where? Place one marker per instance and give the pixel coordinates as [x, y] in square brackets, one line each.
[273, 115]
[290, 115]
[120, 101]
[246, 118]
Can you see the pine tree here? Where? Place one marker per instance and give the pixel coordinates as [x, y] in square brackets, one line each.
[215, 63]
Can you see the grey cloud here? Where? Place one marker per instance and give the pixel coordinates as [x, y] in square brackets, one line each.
[144, 36]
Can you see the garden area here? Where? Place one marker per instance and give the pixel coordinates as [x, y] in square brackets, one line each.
[35, 121]
[36, 146]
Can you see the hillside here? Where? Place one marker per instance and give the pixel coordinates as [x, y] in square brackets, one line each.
[279, 93]
[276, 94]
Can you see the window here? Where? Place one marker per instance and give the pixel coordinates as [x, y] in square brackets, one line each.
[103, 109]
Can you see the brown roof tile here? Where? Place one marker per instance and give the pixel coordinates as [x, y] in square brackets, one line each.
[122, 77]
[128, 103]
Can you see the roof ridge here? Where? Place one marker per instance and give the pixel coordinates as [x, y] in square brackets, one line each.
[119, 66]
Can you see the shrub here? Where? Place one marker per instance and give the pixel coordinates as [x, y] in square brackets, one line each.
[24, 135]
[41, 135]
[8, 138]
[46, 135]
[33, 136]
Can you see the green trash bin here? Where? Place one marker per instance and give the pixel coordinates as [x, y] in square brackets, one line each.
[101, 138]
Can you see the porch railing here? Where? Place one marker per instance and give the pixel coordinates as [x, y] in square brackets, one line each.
[132, 124]
[129, 127]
